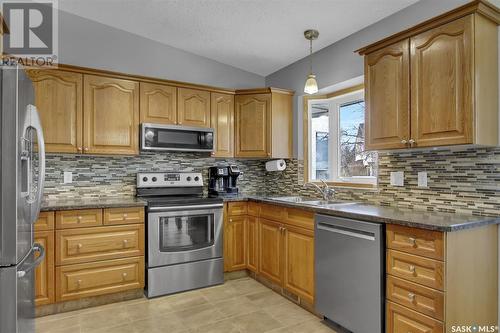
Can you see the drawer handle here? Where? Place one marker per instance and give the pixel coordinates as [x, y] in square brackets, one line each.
[412, 269]
[79, 246]
[78, 283]
[413, 241]
[125, 215]
[125, 242]
[411, 297]
[124, 275]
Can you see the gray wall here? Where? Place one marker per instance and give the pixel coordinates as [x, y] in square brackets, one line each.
[86, 43]
[337, 62]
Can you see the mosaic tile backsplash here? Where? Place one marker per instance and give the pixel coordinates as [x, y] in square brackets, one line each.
[464, 180]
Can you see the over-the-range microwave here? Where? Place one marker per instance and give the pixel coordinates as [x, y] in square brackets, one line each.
[176, 138]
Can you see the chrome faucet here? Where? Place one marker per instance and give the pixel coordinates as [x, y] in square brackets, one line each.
[326, 191]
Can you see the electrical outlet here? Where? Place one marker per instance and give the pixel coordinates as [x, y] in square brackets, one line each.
[422, 179]
[68, 177]
[397, 178]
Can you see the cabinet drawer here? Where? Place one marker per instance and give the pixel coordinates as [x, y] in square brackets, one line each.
[253, 208]
[45, 221]
[80, 218]
[421, 270]
[272, 212]
[403, 320]
[300, 218]
[237, 208]
[421, 242]
[104, 277]
[123, 215]
[99, 243]
[416, 297]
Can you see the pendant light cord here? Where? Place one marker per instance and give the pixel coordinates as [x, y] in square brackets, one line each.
[310, 56]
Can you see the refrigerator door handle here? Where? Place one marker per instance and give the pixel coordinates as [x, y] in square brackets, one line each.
[36, 198]
[36, 248]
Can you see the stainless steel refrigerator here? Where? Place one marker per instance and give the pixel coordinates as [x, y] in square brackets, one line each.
[22, 170]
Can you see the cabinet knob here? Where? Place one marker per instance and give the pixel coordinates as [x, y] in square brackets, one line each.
[269, 154]
[404, 141]
[412, 241]
[86, 149]
[124, 275]
[411, 269]
[230, 220]
[79, 218]
[79, 246]
[125, 215]
[79, 148]
[78, 283]
[411, 142]
[411, 297]
[125, 242]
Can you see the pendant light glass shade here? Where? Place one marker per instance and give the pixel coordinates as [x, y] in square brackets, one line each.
[311, 86]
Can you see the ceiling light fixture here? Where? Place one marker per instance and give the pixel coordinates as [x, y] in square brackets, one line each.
[311, 86]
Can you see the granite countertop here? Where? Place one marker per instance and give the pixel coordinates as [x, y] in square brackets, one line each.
[431, 220]
[98, 202]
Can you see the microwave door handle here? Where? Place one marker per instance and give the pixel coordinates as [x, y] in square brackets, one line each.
[36, 124]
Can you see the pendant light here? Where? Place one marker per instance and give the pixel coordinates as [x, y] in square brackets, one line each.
[311, 86]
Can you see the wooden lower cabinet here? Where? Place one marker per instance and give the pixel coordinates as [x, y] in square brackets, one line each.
[44, 273]
[402, 320]
[99, 278]
[252, 232]
[270, 252]
[235, 247]
[299, 262]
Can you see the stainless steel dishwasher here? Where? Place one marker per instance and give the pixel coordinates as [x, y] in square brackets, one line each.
[349, 265]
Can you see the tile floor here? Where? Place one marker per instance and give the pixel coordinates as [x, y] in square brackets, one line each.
[238, 306]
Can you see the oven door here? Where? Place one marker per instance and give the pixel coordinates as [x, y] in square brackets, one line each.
[184, 234]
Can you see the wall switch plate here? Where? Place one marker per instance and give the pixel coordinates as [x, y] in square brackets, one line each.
[422, 179]
[397, 178]
[68, 177]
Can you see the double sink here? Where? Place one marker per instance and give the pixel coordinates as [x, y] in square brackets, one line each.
[312, 202]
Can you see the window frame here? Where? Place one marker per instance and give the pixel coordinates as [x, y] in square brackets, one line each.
[335, 100]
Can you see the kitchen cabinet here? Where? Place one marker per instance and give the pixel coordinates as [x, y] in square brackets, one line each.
[111, 115]
[299, 262]
[235, 249]
[44, 273]
[58, 98]
[222, 121]
[263, 123]
[270, 252]
[193, 108]
[435, 280]
[452, 99]
[158, 103]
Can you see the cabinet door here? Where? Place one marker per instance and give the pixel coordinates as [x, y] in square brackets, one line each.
[193, 107]
[252, 232]
[441, 87]
[222, 114]
[44, 273]
[158, 103]
[111, 115]
[252, 114]
[270, 250]
[58, 98]
[387, 110]
[236, 243]
[299, 262]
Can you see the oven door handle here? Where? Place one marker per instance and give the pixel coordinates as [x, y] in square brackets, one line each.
[177, 208]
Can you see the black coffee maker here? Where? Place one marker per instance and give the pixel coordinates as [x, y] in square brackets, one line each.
[222, 180]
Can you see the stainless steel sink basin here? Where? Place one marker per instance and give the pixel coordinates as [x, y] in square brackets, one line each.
[295, 199]
[312, 202]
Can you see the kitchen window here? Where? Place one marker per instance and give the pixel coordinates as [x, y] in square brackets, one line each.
[335, 136]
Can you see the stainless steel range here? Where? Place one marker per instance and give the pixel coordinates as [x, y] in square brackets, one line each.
[184, 233]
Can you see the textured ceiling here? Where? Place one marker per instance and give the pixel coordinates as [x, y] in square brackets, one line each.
[260, 36]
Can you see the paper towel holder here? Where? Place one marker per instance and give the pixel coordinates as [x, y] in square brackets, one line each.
[276, 165]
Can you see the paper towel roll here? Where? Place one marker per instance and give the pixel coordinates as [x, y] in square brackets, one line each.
[276, 165]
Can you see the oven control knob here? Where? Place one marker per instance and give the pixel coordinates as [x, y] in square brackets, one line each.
[154, 179]
[188, 179]
[196, 178]
[144, 179]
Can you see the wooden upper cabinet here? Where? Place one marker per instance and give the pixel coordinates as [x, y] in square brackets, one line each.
[263, 123]
[58, 98]
[193, 107]
[253, 117]
[222, 121]
[158, 103]
[111, 115]
[387, 112]
[442, 86]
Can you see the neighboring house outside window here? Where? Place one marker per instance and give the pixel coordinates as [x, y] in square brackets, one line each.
[336, 134]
